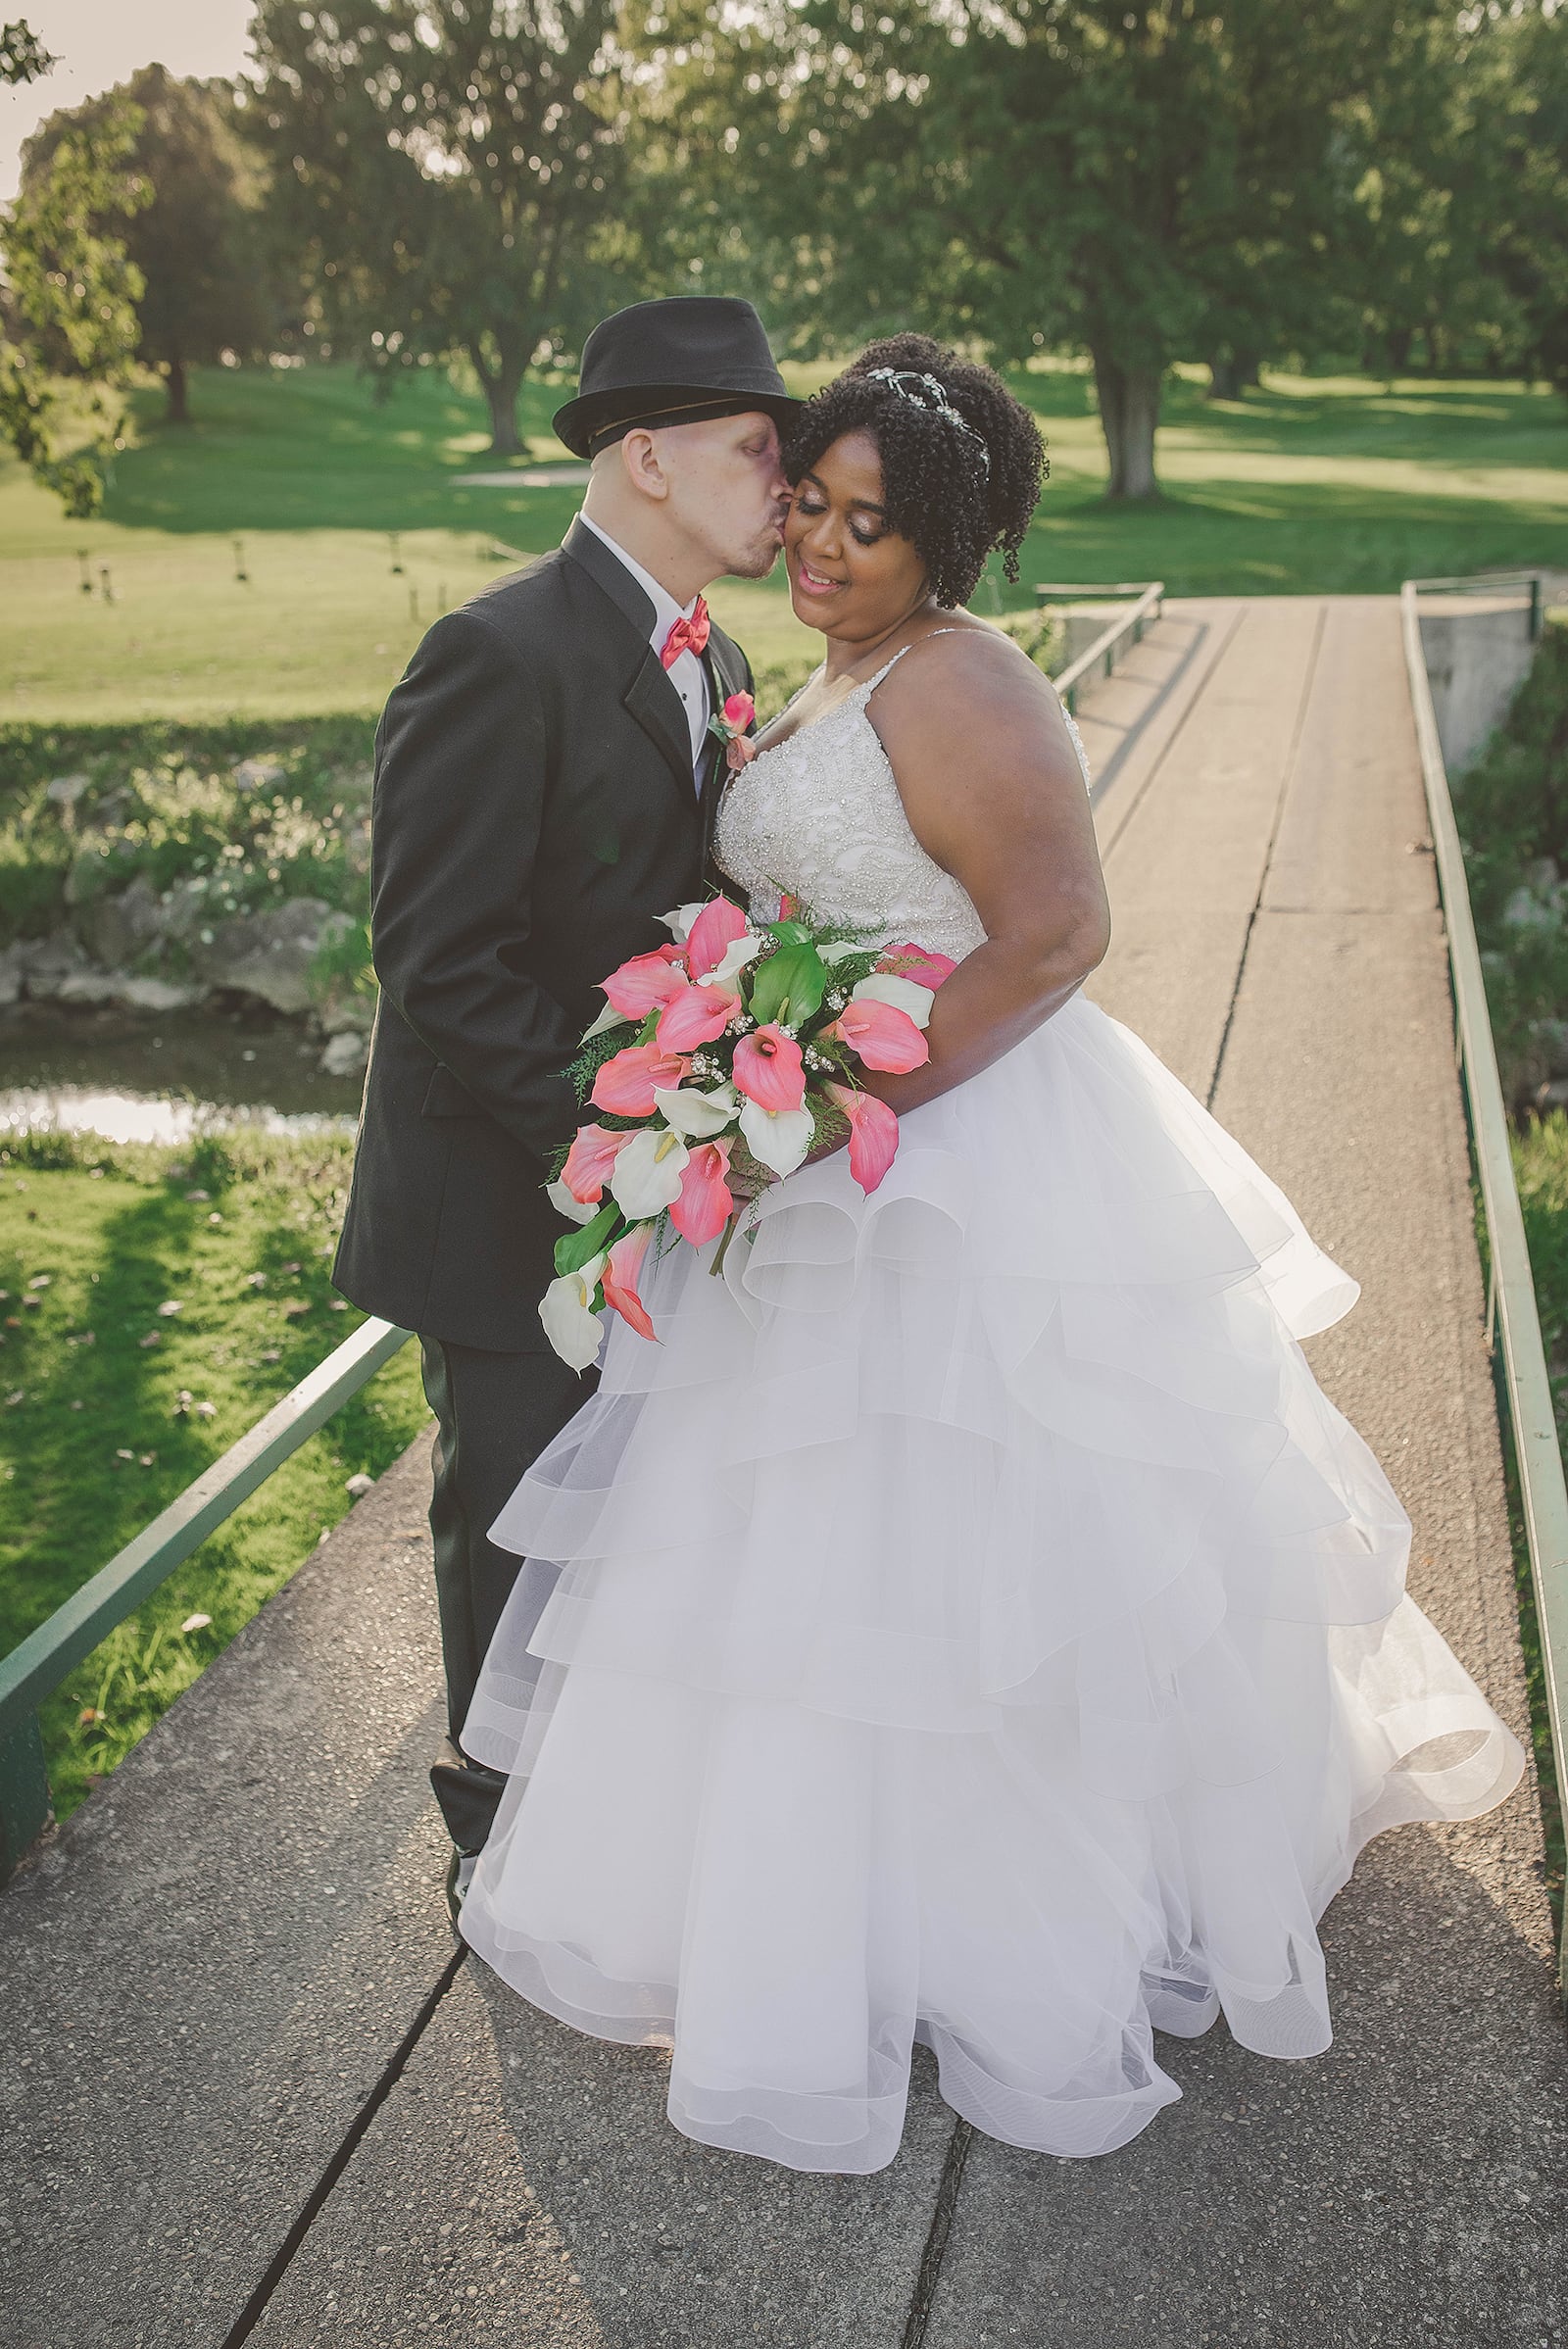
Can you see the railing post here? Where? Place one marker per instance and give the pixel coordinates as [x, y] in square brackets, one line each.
[24, 1793]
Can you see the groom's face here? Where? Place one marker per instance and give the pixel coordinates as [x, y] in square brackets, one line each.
[727, 491]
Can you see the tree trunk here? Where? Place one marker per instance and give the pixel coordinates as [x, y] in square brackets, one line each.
[1129, 411]
[178, 409]
[502, 381]
[1399, 340]
[1224, 379]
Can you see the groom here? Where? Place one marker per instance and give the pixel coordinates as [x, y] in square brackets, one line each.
[545, 787]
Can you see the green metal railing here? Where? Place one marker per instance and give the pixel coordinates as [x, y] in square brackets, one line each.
[33, 1671]
[1126, 628]
[1511, 1295]
[1490, 583]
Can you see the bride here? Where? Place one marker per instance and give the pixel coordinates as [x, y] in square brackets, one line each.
[973, 1624]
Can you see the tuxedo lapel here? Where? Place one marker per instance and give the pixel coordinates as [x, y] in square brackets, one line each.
[648, 695]
[654, 702]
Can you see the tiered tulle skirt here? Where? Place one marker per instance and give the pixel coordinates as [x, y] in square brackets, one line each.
[970, 1624]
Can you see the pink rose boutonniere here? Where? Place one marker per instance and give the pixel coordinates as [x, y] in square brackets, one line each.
[729, 726]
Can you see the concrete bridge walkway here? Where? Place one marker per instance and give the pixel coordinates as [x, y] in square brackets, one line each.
[247, 2092]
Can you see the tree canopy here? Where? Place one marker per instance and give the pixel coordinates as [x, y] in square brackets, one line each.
[453, 174]
[68, 356]
[195, 242]
[1220, 180]
[23, 56]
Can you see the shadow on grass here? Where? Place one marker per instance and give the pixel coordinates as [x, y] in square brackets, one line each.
[256, 1314]
[312, 450]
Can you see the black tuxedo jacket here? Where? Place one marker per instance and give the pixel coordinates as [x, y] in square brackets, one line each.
[534, 812]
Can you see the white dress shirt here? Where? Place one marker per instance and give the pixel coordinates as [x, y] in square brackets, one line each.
[686, 673]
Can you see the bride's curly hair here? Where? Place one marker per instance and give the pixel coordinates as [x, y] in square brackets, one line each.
[963, 460]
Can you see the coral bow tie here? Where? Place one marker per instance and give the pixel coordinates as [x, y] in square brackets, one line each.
[686, 636]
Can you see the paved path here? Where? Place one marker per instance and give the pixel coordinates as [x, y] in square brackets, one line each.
[246, 2094]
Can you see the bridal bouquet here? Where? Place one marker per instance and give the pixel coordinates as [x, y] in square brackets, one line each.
[731, 1052]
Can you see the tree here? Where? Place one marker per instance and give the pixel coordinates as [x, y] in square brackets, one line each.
[452, 171]
[195, 240]
[1145, 181]
[23, 56]
[1420, 146]
[1531, 248]
[69, 307]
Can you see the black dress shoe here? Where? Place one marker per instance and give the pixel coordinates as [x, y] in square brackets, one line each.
[459, 1875]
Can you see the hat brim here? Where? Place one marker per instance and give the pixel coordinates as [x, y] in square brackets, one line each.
[582, 420]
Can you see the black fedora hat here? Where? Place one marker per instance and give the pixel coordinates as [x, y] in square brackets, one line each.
[673, 362]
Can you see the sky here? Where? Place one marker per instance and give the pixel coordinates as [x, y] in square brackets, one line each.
[99, 42]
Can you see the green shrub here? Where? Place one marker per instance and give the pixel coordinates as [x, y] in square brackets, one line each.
[1512, 813]
[1041, 634]
[157, 1301]
[178, 807]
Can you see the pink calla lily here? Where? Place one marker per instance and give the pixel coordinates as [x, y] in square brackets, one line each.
[696, 1015]
[769, 1069]
[921, 963]
[706, 1202]
[718, 926]
[873, 1133]
[646, 981]
[740, 711]
[625, 1086]
[620, 1278]
[590, 1161]
[882, 1036]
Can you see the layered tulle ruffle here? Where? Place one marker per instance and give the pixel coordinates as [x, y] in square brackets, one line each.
[971, 1623]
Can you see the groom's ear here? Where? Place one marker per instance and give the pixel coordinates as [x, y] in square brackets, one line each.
[640, 460]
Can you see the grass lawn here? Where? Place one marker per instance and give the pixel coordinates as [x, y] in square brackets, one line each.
[1311, 484]
[112, 1400]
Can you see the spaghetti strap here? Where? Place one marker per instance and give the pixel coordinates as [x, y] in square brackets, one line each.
[871, 683]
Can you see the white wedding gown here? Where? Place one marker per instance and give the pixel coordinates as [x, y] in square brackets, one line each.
[973, 1625]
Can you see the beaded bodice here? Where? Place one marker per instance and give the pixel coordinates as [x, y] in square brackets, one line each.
[819, 815]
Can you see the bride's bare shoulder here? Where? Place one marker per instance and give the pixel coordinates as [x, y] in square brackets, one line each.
[966, 681]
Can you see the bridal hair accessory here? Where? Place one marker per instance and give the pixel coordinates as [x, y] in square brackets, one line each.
[686, 635]
[736, 1039]
[925, 391]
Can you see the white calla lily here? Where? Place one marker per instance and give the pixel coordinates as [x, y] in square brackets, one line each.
[647, 1174]
[573, 1328]
[904, 994]
[737, 954]
[576, 1211]
[678, 922]
[839, 950]
[696, 1116]
[609, 1018]
[777, 1139]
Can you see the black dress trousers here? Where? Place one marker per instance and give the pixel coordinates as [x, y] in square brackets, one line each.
[495, 1413]
[534, 814]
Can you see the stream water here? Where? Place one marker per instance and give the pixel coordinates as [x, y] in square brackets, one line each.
[110, 1073]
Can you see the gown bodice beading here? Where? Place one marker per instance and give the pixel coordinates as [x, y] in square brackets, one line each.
[819, 815]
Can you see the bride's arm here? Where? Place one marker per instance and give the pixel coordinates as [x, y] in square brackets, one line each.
[994, 793]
